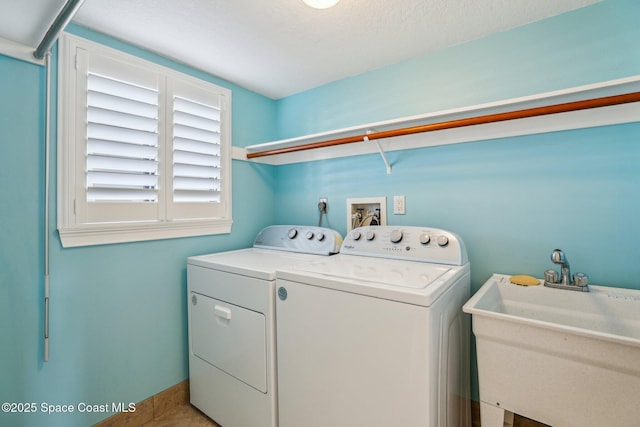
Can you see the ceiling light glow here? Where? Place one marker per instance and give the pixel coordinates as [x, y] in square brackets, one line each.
[321, 4]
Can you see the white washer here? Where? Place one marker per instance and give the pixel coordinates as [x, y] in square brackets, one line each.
[231, 300]
[376, 336]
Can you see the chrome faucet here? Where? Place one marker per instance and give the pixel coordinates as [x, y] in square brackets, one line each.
[558, 257]
[577, 282]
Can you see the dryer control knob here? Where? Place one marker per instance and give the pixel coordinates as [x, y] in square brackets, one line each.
[370, 235]
[396, 236]
[425, 238]
[443, 241]
[293, 233]
[320, 237]
[356, 235]
[309, 235]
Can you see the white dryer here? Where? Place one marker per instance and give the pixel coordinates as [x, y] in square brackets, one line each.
[376, 336]
[231, 304]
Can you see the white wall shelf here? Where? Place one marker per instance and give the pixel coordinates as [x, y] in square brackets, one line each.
[548, 122]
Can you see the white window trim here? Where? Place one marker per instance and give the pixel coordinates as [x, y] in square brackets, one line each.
[74, 233]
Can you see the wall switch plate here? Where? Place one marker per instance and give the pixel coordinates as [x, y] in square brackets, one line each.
[398, 205]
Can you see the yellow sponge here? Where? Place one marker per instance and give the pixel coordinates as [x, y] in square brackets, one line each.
[524, 280]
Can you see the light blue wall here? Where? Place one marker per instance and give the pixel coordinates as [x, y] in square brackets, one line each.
[513, 200]
[118, 312]
[21, 226]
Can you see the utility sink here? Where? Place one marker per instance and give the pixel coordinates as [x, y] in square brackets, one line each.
[560, 357]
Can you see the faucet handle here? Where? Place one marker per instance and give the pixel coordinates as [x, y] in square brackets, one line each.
[551, 276]
[580, 279]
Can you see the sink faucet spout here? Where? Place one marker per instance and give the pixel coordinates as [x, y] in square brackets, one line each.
[558, 257]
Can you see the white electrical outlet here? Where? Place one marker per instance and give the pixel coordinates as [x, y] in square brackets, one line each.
[326, 204]
[398, 205]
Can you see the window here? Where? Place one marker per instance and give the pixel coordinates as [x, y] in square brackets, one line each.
[144, 151]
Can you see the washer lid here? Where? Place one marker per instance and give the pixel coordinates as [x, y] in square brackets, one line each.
[402, 274]
[406, 281]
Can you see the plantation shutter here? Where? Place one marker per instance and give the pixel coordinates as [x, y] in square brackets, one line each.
[144, 150]
[197, 178]
[196, 152]
[119, 132]
[122, 141]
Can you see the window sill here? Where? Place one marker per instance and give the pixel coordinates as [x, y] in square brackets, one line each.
[103, 234]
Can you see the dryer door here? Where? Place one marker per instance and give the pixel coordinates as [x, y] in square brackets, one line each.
[231, 338]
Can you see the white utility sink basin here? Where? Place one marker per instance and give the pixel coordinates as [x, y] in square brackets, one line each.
[560, 357]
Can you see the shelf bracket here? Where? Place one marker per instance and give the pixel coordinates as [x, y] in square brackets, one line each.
[384, 156]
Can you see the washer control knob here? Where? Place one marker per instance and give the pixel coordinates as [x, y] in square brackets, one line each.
[425, 238]
[356, 235]
[293, 233]
[309, 235]
[396, 236]
[320, 237]
[443, 241]
[370, 235]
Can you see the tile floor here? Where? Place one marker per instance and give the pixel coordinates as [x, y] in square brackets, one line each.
[518, 421]
[171, 408]
[184, 415]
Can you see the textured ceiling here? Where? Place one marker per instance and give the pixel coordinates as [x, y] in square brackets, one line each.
[281, 47]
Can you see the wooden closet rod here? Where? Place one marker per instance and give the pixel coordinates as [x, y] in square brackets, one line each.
[489, 118]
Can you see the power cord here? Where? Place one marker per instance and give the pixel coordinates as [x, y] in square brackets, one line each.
[322, 207]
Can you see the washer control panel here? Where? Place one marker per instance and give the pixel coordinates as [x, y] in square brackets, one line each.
[299, 238]
[422, 244]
